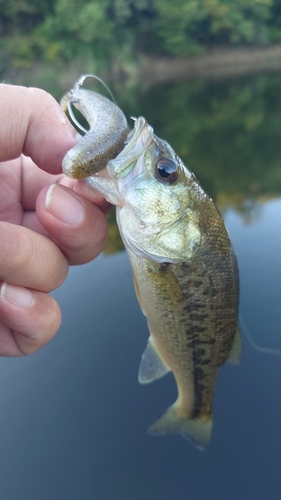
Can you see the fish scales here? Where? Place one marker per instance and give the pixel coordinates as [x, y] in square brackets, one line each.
[185, 273]
[189, 308]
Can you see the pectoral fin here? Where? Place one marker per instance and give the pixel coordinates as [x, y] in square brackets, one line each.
[152, 366]
[235, 353]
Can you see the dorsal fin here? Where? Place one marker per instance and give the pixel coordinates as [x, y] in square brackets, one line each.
[152, 366]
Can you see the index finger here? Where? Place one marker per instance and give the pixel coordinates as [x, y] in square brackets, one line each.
[34, 124]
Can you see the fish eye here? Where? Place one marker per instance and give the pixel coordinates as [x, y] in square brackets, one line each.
[166, 170]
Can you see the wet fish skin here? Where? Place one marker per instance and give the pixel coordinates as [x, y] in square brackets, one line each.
[192, 311]
[185, 274]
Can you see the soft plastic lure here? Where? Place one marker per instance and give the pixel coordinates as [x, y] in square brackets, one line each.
[105, 138]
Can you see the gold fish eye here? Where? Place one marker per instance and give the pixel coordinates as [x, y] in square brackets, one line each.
[166, 170]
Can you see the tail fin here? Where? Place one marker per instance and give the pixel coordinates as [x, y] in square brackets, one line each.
[198, 430]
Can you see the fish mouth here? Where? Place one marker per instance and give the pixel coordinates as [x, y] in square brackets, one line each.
[129, 160]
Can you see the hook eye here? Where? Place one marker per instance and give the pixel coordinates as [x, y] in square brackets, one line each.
[83, 78]
[76, 87]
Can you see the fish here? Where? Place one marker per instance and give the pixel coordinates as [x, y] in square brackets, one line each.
[185, 275]
[105, 138]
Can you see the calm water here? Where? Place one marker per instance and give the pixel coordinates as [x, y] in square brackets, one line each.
[73, 418]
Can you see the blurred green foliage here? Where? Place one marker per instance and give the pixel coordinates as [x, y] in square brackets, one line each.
[228, 133]
[64, 29]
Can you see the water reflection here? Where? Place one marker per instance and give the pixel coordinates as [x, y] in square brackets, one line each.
[73, 417]
[228, 133]
[258, 248]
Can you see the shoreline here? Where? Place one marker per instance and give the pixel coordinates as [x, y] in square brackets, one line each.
[215, 64]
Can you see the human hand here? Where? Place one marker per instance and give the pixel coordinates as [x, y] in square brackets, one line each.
[46, 220]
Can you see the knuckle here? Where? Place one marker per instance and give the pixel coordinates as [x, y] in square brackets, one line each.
[35, 334]
[24, 252]
[15, 251]
[30, 259]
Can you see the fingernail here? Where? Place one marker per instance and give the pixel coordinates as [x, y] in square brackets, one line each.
[16, 295]
[64, 206]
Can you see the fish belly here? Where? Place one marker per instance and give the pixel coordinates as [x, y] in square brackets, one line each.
[192, 317]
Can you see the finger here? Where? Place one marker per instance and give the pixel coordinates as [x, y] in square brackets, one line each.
[33, 180]
[78, 227]
[29, 319]
[86, 192]
[30, 220]
[34, 125]
[30, 259]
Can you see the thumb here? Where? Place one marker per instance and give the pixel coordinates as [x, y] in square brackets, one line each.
[35, 125]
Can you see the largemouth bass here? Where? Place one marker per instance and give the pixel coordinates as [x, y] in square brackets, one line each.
[185, 274]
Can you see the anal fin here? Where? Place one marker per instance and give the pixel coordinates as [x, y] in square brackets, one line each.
[152, 367]
[235, 353]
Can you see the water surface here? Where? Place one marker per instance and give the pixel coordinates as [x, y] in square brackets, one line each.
[73, 418]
